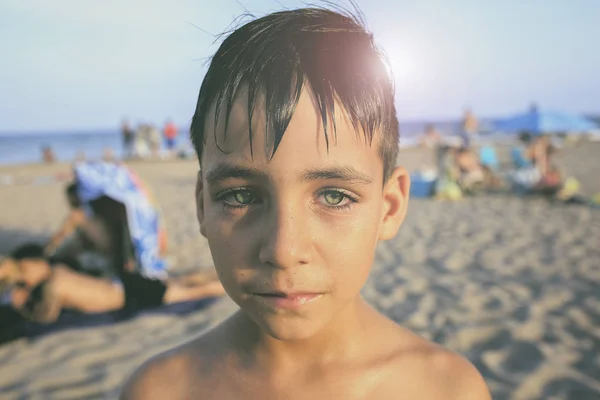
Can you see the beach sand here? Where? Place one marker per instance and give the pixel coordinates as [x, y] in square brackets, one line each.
[511, 283]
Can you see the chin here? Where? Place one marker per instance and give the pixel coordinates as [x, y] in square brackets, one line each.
[294, 324]
[289, 328]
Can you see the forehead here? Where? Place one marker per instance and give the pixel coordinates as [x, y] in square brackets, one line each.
[304, 144]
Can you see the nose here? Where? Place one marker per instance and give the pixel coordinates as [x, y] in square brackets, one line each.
[286, 241]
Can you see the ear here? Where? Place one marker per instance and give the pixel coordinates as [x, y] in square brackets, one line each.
[200, 202]
[395, 203]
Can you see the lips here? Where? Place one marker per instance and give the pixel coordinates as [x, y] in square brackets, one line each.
[288, 300]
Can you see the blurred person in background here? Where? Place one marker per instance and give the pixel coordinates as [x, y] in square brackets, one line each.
[540, 152]
[469, 128]
[154, 140]
[170, 135]
[470, 172]
[81, 238]
[432, 139]
[48, 156]
[141, 147]
[128, 137]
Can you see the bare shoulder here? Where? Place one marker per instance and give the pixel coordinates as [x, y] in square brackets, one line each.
[174, 374]
[435, 372]
[454, 376]
[155, 378]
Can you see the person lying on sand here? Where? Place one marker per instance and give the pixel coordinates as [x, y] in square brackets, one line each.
[41, 288]
[297, 139]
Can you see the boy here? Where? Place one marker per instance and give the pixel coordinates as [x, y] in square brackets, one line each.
[297, 138]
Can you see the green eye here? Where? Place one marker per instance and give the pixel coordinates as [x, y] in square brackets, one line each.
[334, 198]
[243, 197]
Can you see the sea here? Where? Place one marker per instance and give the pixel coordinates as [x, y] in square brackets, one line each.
[26, 147]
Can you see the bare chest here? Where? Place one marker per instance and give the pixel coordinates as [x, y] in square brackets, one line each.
[312, 392]
[364, 386]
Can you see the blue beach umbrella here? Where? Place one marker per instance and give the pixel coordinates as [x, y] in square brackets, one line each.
[536, 122]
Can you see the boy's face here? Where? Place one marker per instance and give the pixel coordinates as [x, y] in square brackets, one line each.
[293, 238]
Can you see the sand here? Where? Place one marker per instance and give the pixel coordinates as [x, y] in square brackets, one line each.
[512, 283]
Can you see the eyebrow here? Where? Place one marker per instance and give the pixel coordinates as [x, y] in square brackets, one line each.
[344, 173]
[225, 171]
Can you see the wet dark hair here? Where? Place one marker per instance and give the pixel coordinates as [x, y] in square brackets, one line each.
[278, 54]
[28, 251]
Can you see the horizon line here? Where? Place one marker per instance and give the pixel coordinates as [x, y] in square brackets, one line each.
[116, 127]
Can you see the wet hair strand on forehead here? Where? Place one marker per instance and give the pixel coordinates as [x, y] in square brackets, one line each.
[331, 53]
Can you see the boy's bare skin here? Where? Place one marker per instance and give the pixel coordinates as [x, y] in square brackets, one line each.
[294, 252]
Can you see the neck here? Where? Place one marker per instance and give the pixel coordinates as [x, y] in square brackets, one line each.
[342, 338]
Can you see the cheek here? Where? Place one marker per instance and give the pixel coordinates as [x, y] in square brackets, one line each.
[350, 252]
[351, 269]
[230, 249]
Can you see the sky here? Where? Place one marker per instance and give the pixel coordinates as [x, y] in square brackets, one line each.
[86, 64]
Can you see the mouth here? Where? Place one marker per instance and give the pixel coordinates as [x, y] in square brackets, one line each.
[288, 300]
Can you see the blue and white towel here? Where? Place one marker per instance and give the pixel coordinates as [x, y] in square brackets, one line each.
[116, 181]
